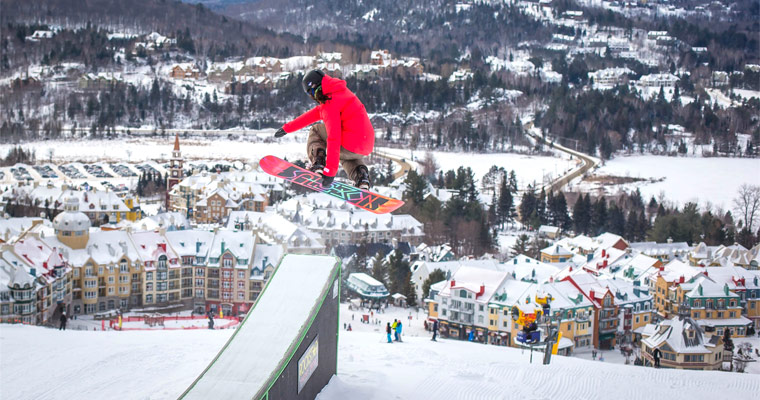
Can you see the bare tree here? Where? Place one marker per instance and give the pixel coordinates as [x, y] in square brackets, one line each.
[747, 204]
[50, 153]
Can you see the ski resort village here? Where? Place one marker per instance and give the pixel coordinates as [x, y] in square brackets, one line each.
[469, 199]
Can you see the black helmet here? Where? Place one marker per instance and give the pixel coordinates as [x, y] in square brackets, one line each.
[312, 81]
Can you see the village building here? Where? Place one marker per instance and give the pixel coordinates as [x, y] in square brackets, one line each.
[683, 345]
[463, 306]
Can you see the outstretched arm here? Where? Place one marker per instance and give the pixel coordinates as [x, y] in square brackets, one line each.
[309, 117]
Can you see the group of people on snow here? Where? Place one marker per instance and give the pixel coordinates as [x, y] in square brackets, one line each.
[396, 329]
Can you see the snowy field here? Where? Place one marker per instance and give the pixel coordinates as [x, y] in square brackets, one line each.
[529, 169]
[162, 364]
[681, 179]
[249, 147]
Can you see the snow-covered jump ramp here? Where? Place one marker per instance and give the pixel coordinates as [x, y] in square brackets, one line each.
[286, 347]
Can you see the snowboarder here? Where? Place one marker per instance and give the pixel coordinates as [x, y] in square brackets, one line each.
[435, 330]
[63, 321]
[657, 354]
[346, 134]
[388, 331]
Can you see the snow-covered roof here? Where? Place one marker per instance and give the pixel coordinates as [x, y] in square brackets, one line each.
[676, 270]
[529, 269]
[191, 242]
[704, 287]
[266, 254]
[473, 279]
[239, 243]
[675, 333]
[556, 250]
[654, 249]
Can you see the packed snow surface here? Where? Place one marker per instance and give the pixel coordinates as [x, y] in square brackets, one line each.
[42, 363]
[162, 364]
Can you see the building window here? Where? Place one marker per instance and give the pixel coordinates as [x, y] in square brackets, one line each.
[241, 274]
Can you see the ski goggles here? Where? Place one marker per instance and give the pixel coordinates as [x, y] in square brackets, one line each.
[312, 92]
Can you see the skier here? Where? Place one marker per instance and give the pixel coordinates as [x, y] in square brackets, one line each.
[63, 321]
[398, 331]
[346, 134]
[388, 331]
[395, 329]
[435, 330]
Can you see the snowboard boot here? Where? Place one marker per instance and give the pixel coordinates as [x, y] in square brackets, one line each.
[361, 177]
[320, 159]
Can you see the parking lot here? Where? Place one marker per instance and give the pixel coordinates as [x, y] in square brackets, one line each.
[115, 177]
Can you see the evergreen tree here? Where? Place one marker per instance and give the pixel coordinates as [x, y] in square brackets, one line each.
[582, 214]
[379, 268]
[521, 245]
[528, 206]
[436, 276]
[512, 182]
[616, 220]
[599, 216]
[559, 211]
[541, 208]
[506, 205]
[416, 188]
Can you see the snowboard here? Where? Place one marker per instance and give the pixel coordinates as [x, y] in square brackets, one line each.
[361, 198]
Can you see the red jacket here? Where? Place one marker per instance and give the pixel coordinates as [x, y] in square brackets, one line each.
[346, 120]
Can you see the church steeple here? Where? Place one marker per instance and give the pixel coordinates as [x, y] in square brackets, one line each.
[175, 171]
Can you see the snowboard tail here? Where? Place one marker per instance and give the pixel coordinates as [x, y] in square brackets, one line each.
[361, 198]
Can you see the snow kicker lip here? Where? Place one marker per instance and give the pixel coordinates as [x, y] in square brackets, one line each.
[363, 199]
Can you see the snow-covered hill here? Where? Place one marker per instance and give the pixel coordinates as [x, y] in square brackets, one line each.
[45, 363]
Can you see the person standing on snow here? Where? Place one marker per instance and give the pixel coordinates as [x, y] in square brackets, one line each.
[63, 321]
[388, 331]
[435, 330]
[398, 331]
[395, 330]
[657, 354]
[346, 134]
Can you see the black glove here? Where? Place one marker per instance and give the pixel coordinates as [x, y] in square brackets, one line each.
[280, 133]
[327, 180]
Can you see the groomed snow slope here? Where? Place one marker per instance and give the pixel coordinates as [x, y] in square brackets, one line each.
[42, 363]
[38, 363]
[369, 369]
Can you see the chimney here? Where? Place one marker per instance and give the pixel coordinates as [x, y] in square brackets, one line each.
[604, 264]
[453, 282]
[604, 253]
[33, 271]
[681, 279]
[591, 294]
[481, 291]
